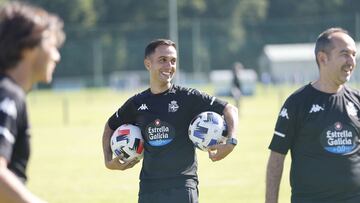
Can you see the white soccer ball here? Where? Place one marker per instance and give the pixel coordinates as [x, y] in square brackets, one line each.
[207, 129]
[128, 142]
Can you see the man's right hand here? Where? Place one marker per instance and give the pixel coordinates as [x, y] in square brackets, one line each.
[117, 164]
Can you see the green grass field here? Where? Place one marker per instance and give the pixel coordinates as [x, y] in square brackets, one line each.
[67, 162]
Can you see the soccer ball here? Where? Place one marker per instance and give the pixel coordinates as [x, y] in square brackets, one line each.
[207, 129]
[128, 142]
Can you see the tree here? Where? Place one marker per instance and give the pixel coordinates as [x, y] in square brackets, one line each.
[75, 12]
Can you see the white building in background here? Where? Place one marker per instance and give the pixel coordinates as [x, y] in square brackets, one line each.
[222, 81]
[294, 63]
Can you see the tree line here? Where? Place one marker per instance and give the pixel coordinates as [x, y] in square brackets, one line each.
[228, 31]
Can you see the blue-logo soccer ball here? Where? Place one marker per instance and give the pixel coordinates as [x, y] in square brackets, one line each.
[206, 129]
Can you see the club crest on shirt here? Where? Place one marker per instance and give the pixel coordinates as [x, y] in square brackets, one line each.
[339, 139]
[351, 109]
[173, 106]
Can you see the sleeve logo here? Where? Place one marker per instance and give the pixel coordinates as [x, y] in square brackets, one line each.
[8, 107]
[284, 113]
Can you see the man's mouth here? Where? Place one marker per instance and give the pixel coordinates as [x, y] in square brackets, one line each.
[347, 69]
[166, 74]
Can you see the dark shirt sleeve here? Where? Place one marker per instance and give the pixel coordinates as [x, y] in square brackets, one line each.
[203, 102]
[8, 130]
[285, 128]
[125, 114]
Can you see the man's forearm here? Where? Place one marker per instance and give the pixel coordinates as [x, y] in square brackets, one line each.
[12, 190]
[231, 118]
[106, 143]
[273, 177]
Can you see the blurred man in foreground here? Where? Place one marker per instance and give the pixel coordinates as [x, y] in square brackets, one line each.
[29, 41]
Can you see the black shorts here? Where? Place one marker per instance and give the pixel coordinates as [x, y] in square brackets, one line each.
[355, 199]
[172, 195]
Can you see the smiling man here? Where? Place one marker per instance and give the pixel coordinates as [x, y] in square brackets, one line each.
[320, 125]
[163, 112]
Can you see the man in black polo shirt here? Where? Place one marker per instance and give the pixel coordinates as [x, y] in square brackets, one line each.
[319, 124]
[29, 41]
[163, 112]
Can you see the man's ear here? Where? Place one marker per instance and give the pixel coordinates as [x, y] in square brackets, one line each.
[322, 57]
[147, 63]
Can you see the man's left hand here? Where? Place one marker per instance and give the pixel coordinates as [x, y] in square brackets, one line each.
[220, 151]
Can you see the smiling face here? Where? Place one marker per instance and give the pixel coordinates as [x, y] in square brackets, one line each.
[162, 67]
[338, 64]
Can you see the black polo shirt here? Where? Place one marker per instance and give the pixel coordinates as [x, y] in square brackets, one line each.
[169, 155]
[322, 132]
[14, 136]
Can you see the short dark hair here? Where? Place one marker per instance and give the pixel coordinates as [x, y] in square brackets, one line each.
[324, 43]
[21, 27]
[150, 48]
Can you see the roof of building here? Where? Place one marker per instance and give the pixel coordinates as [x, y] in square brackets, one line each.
[293, 52]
